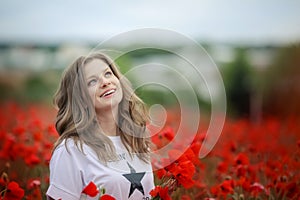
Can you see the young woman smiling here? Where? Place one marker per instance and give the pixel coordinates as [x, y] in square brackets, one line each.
[103, 137]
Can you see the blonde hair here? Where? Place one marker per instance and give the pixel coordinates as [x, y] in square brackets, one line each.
[76, 117]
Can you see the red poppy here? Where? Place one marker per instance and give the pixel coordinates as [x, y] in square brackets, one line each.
[161, 173]
[224, 189]
[232, 146]
[35, 191]
[32, 160]
[241, 170]
[256, 189]
[185, 181]
[227, 187]
[13, 192]
[293, 190]
[106, 197]
[161, 192]
[242, 159]
[192, 156]
[162, 138]
[195, 147]
[19, 130]
[91, 190]
[154, 192]
[183, 171]
[168, 133]
[244, 183]
[222, 167]
[32, 183]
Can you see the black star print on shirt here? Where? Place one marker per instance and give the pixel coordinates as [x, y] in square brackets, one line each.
[135, 180]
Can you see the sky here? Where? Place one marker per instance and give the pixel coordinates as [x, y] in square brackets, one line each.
[231, 21]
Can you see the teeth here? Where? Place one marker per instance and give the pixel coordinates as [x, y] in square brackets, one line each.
[108, 93]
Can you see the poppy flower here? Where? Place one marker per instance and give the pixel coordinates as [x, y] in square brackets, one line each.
[161, 173]
[13, 192]
[106, 197]
[256, 188]
[223, 189]
[90, 190]
[192, 156]
[161, 192]
[32, 160]
[241, 170]
[242, 159]
[227, 187]
[222, 167]
[195, 147]
[168, 133]
[33, 183]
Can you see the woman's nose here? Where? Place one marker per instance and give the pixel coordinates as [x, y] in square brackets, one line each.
[104, 82]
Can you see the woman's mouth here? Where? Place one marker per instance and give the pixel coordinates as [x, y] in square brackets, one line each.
[108, 93]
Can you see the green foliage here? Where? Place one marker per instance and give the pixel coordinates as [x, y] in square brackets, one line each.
[124, 63]
[30, 86]
[238, 84]
[152, 96]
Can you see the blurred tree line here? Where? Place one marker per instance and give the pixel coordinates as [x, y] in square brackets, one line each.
[238, 84]
[282, 83]
[251, 92]
[150, 95]
[270, 91]
[25, 86]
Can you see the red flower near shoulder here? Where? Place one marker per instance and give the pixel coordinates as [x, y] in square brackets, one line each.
[91, 190]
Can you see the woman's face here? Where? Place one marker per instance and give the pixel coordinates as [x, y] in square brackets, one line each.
[103, 86]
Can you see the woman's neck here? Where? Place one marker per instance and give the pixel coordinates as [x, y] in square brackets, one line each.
[108, 122]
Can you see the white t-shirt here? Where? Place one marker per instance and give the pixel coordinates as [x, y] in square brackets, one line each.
[71, 171]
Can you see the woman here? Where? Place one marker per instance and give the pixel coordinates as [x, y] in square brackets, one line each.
[103, 138]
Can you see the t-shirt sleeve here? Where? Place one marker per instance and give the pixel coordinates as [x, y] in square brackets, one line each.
[66, 180]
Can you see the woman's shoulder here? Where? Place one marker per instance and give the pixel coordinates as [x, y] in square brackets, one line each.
[73, 147]
[66, 144]
[69, 146]
[68, 152]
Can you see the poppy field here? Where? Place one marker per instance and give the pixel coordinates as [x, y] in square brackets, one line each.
[249, 161]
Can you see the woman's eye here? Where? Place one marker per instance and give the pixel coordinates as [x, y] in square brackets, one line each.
[108, 74]
[92, 82]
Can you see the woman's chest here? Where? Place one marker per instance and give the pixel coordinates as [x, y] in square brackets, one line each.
[125, 178]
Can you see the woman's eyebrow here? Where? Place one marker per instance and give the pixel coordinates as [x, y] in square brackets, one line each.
[107, 68]
[94, 75]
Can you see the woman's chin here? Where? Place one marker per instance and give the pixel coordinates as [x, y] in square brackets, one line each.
[106, 106]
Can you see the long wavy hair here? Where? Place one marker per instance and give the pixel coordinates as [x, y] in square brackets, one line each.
[76, 117]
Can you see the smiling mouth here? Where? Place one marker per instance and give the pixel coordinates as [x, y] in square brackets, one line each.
[109, 92]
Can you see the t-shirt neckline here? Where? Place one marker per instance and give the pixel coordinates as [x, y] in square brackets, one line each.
[117, 137]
